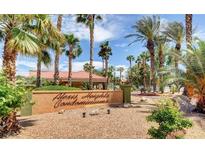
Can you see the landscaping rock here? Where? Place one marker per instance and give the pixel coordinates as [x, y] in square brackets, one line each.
[61, 111]
[95, 112]
[127, 105]
[184, 103]
[143, 99]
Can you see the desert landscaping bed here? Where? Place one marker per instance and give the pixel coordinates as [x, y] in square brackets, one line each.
[120, 123]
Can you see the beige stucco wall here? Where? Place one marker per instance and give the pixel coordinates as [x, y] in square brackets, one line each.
[53, 101]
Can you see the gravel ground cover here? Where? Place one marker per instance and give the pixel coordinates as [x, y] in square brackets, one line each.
[119, 124]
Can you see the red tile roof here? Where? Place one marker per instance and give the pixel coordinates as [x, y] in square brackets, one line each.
[76, 76]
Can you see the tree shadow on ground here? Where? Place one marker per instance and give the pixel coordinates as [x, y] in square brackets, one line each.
[27, 122]
[147, 111]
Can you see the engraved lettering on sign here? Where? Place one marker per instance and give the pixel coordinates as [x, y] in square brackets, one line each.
[64, 99]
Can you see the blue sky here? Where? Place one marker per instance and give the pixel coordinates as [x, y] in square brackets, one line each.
[113, 28]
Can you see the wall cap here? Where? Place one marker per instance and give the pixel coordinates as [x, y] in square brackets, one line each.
[72, 91]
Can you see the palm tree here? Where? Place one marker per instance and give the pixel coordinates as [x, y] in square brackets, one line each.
[86, 67]
[144, 57]
[74, 51]
[161, 41]
[193, 77]
[58, 52]
[111, 75]
[130, 58]
[89, 21]
[105, 52]
[17, 38]
[23, 34]
[49, 37]
[45, 58]
[101, 54]
[121, 70]
[146, 30]
[111, 69]
[175, 32]
[188, 20]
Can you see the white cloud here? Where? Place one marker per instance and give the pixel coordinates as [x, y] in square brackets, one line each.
[104, 30]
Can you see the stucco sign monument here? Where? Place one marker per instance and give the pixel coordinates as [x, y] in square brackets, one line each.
[53, 101]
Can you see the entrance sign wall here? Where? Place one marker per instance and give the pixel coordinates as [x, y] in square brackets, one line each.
[53, 101]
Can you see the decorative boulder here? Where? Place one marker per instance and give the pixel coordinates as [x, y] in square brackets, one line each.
[95, 112]
[184, 103]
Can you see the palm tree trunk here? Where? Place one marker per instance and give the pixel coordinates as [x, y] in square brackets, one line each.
[106, 72]
[144, 74]
[177, 48]
[91, 52]
[150, 47]
[56, 67]
[188, 30]
[70, 68]
[38, 75]
[103, 65]
[161, 64]
[9, 61]
[57, 54]
[130, 71]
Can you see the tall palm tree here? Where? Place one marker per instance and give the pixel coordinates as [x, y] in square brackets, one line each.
[161, 41]
[106, 52]
[130, 58]
[89, 20]
[146, 30]
[188, 20]
[17, 38]
[175, 32]
[121, 70]
[57, 53]
[74, 51]
[45, 58]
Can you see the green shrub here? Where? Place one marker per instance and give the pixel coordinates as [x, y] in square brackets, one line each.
[85, 86]
[11, 96]
[56, 87]
[169, 118]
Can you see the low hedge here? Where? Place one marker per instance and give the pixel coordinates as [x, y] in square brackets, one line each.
[52, 87]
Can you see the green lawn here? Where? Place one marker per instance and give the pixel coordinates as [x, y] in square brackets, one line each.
[57, 88]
